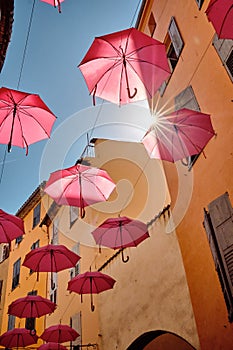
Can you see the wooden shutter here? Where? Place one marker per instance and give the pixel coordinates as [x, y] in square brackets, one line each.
[211, 237]
[224, 49]
[1, 284]
[221, 214]
[175, 37]
[75, 270]
[75, 322]
[55, 239]
[187, 99]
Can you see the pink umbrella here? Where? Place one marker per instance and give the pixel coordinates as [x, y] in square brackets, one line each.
[178, 135]
[119, 233]
[18, 337]
[123, 61]
[24, 118]
[54, 3]
[220, 14]
[31, 306]
[52, 346]
[50, 258]
[11, 227]
[90, 283]
[79, 186]
[59, 334]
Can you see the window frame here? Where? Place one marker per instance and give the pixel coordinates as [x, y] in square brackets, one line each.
[220, 250]
[74, 215]
[152, 24]
[11, 322]
[173, 40]
[30, 322]
[16, 273]
[224, 49]
[199, 3]
[34, 245]
[36, 215]
[189, 102]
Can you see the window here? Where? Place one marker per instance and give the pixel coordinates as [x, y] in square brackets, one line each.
[16, 273]
[199, 2]
[18, 239]
[174, 45]
[55, 231]
[11, 322]
[53, 287]
[30, 322]
[34, 246]
[75, 270]
[187, 99]
[36, 215]
[152, 24]
[218, 223]
[75, 323]
[73, 215]
[5, 251]
[1, 284]
[224, 48]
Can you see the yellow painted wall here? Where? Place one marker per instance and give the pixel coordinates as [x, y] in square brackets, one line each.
[3, 276]
[27, 282]
[200, 66]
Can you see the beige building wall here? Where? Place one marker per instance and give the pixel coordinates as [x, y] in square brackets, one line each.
[151, 291]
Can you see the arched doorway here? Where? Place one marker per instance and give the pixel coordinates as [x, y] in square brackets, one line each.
[160, 340]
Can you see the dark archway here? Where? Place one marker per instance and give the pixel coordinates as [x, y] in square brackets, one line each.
[160, 340]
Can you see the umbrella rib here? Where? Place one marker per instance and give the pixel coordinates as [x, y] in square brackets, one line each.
[26, 113]
[117, 63]
[93, 183]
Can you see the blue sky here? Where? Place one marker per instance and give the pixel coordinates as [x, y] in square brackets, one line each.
[56, 45]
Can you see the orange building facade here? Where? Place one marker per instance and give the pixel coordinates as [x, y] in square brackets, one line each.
[201, 192]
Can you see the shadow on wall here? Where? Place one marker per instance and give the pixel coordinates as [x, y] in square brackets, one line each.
[160, 340]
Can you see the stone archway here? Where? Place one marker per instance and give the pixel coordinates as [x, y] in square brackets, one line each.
[160, 340]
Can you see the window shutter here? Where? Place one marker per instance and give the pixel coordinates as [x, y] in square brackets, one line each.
[75, 322]
[175, 37]
[187, 99]
[55, 231]
[210, 235]
[221, 214]
[224, 49]
[75, 270]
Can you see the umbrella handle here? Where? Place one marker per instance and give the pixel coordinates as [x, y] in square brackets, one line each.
[82, 213]
[125, 260]
[134, 94]
[92, 304]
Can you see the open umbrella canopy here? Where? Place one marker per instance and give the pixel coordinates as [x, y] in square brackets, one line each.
[55, 3]
[79, 186]
[91, 282]
[24, 118]
[59, 334]
[120, 232]
[11, 227]
[31, 306]
[18, 337]
[50, 258]
[220, 14]
[178, 135]
[125, 66]
[52, 346]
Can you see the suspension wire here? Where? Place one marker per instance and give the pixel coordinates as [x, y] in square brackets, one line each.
[26, 44]
[101, 105]
[135, 13]
[20, 76]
